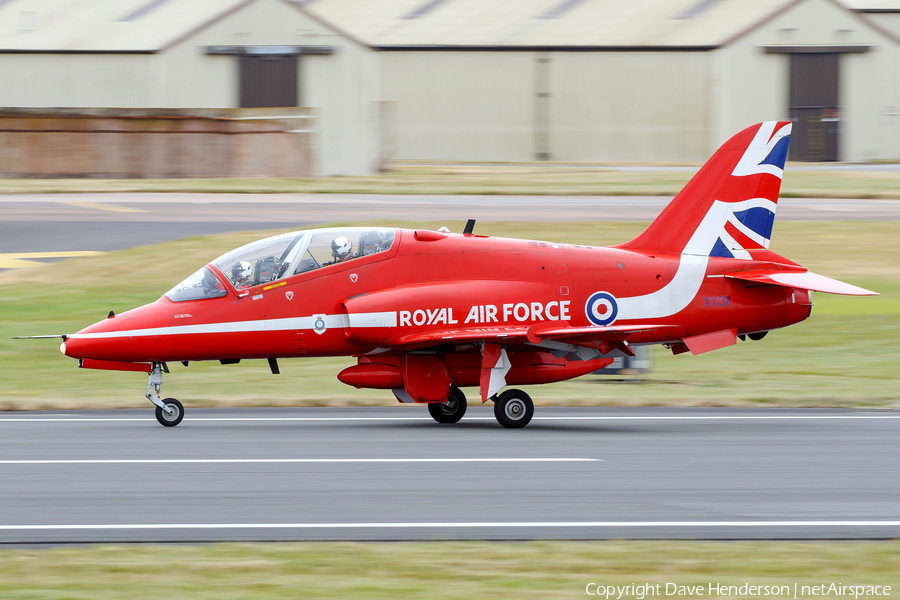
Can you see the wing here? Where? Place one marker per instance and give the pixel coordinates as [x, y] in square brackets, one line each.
[594, 337]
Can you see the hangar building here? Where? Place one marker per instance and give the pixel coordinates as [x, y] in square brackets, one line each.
[195, 54]
[481, 80]
[642, 80]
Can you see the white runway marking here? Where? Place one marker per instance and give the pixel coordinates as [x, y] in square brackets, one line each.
[168, 461]
[446, 525]
[426, 418]
[718, 417]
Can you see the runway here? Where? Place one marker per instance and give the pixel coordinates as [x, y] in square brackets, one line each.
[394, 474]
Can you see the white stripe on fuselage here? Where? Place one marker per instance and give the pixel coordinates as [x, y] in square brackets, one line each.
[382, 319]
[681, 291]
[671, 299]
[377, 319]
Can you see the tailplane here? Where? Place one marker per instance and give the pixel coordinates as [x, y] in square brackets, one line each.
[728, 207]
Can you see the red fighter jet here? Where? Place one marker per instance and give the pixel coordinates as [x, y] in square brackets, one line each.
[426, 313]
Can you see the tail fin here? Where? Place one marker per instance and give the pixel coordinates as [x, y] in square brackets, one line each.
[728, 207]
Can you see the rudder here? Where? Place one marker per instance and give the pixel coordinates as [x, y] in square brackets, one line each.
[728, 207]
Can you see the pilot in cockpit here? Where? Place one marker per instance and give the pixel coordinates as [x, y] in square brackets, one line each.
[341, 248]
[241, 274]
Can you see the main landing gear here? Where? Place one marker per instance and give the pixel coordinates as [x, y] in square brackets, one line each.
[169, 412]
[513, 408]
[450, 411]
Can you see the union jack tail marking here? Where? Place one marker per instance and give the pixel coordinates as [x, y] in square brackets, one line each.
[728, 207]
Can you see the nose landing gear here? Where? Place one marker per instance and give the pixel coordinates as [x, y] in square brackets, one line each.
[169, 412]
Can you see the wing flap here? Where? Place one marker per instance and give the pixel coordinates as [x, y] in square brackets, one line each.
[804, 280]
[542, 331]
[475, 334]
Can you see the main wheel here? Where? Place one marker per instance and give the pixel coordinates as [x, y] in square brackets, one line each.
[175, 418]
[513, 409]
[450, 411]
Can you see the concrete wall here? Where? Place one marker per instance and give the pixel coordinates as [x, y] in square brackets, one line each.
[81, 80]
[886, 20]
[137, 143]
[490, 106]
[461, 105]
[633, 106]
[345, 88]
[747, 86]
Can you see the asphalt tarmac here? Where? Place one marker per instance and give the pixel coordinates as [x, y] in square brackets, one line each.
[392, 473]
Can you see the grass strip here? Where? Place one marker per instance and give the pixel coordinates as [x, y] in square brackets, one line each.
[845, 355]
[445, 570]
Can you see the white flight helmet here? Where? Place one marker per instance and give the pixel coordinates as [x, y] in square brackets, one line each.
[241, 270]
[340, 248]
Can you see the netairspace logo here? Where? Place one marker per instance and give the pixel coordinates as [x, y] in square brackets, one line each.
[640, 591]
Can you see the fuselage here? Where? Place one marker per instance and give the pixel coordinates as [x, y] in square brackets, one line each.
[448, 282]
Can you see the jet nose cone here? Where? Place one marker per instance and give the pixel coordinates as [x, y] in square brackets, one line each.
[139, 335]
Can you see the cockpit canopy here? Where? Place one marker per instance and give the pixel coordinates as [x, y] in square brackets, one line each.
[282, 256]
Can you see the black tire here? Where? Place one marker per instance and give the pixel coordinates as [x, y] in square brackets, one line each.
[165, 418]
[450, 411]
[513, 409]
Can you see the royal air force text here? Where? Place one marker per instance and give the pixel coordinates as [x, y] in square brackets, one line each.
[489, 313]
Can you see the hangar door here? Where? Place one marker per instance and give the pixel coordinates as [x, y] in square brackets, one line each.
[269, 81]
[814, 106]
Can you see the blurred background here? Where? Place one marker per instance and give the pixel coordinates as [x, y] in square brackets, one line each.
[186, 88]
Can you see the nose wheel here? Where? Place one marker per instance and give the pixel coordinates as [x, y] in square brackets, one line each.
[172, 416]
[169, 412]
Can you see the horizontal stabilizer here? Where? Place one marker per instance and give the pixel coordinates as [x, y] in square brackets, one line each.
[803, 280]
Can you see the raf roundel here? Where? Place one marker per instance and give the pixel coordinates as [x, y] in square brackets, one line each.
[601, 308]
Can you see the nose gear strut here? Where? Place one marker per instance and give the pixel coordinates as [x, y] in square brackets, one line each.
[169, 412]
